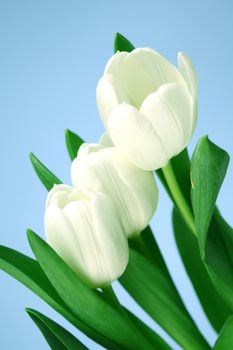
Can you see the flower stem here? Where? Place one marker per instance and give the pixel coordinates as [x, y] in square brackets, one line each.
[178, 196]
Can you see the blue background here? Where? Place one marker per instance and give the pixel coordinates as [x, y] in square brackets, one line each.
[52, 55]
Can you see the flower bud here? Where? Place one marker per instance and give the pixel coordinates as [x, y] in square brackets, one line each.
[133, 191]
[148, 106]
[84, 228]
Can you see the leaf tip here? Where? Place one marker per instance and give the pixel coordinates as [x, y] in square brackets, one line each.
[121, 43]
[30, 234]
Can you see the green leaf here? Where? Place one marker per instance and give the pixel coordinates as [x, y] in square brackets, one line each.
[28, 271]
[209, 165]
[154, 338]
[159, 298]
[122, 44]
[225, 339]
[47, 178]
[56, 336]
[84, 302]
[217, 311]
[215, 308]
[217, 259]
[151, 244]
[73, 142]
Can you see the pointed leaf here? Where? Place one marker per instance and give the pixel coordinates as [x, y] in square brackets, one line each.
[28, 271]
[225, 339]
[122, 44]
[73, 142]
[209, 165]
[159, 298]
[84, 302]
[47, 178]
[153, 337]
[214, 306]
[56, 336]
[189, 250]
[151, 244]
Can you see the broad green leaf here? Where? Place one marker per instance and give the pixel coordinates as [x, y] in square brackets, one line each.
[28, 271]
[217, 259]
[73, 142]
[214, 306]
[122, 44]
[189, 250]
[209, 165]
[84, 302]
[151, 244]
[154, 338]
[159, 298]
[225, 339]
[56, 336]
[47, 178]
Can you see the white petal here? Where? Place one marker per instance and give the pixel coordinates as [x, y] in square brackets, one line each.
[144, 71]
[134, 135]
[58, 194]
[105, 140]
[114, 62]
[110, 237]
[133, 190]
[106, 97]
[139, 73]
[170, 112]
[139, 193]
[62, 237]
[187, 69]
[87, 148]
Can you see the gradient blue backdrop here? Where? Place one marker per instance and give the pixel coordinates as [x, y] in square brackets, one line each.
[52, 55]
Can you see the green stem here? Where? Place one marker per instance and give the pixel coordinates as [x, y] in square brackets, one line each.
[179, 199]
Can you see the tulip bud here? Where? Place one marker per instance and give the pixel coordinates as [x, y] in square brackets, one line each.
[133, 191]
[148, 106]
[84, 228]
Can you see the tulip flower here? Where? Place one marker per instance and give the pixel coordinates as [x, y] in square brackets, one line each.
[133, 191]
[148, 106]
[84, 228]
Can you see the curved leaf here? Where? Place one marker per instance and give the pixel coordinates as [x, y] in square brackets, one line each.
[122, 44]
[154, 338]
[47, 178]
[73, 142]
[84, 302]
[28, 271]
[159, 298]
[214, 306]
[209, 166]
[56, 336]
[225, 339]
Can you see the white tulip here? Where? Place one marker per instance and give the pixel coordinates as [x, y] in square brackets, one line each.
[148, 106]
[133, 191]
[84, 228]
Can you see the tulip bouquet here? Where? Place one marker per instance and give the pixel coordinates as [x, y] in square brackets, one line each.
[97, 228]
